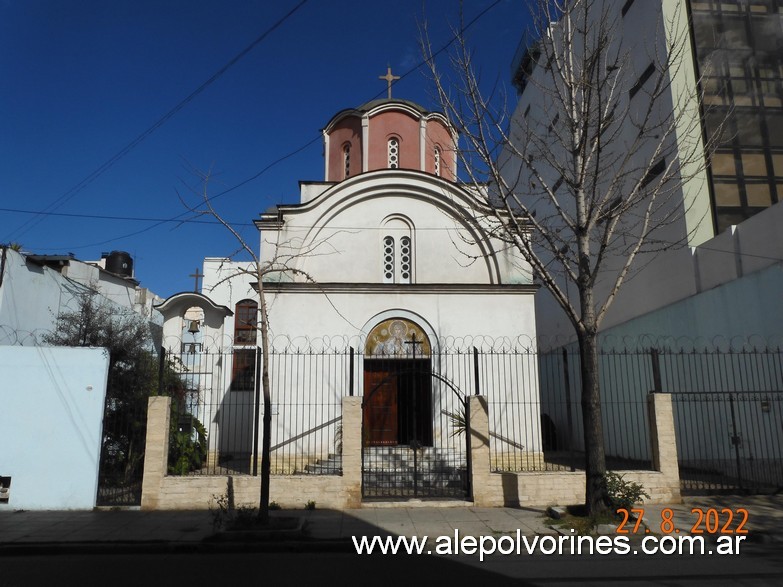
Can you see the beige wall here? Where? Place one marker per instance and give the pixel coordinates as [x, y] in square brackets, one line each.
[163, 492]
[562, 488]
[538, 489]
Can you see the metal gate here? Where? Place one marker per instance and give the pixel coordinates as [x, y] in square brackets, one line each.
[414, 436]
[729, 441]
[123, 441]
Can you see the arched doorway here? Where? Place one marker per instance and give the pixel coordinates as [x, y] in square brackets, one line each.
[398, 390]
[411, 447]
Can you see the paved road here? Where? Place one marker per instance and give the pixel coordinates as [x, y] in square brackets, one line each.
[757, 565]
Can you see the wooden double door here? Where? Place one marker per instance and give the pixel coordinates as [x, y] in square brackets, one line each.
[397, 402]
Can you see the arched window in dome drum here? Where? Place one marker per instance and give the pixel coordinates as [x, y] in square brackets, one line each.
[347, 160]
[394, 153]
[437, 161]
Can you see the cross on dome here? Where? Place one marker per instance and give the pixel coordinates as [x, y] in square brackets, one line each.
[389, 79]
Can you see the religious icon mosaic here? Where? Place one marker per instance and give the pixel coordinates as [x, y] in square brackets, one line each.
[396, 338]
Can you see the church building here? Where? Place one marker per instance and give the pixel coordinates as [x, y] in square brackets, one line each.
[387, 281]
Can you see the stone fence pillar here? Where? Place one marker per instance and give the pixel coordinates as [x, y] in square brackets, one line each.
[486, 487]
[156, 450]
[352, 451]
[663, 439]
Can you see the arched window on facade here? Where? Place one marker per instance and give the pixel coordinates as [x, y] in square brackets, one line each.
[406, 259]
[245, 322]
[243, 369]
[393, 150]
[397, 250]
[388, 259]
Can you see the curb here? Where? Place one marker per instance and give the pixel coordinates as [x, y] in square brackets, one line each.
[153, 547]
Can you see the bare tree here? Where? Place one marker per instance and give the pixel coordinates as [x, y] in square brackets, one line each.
[284, 261]
[596, 171]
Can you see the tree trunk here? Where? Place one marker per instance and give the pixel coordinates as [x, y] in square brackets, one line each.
[596, 497]
[266, 443]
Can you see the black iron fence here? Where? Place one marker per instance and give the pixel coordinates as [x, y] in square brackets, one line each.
[727, 404]
[730, 441]
[625, 378]
[121, 465]
[216, 420]
[534, 407]
[217, 408]
[728, 408]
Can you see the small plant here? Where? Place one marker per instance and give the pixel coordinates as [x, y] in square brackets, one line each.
[245, 517]
[624, 494]
[458, 420]
[273, 505]
[338, 439]
[187, 443]
[219, 510]
[310, 505]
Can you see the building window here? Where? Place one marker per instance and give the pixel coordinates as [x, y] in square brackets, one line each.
[243, 366]
[654, 171]
[437, 161]
[737, 47]
[245, 322]
[397, 250]
[243, 370]
[347, 159]
[394, 153]
[553, 124]
[405, 259]
[388, 260]
[646, 74]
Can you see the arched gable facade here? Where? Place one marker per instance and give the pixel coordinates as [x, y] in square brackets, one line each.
[451, 233]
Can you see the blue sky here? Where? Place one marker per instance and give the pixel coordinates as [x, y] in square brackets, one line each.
[81, 79]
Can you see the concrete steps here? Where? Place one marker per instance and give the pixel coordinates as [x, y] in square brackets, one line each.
[389, 470]
[332, 465]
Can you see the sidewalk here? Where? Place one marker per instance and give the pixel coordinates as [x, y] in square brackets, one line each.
[167, 531]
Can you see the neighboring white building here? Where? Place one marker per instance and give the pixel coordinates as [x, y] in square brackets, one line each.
[36, 289]
[720, 276]
[391, 264]
[710, 299]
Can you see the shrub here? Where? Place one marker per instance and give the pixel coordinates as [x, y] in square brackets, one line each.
[624, 494]
[187, 448]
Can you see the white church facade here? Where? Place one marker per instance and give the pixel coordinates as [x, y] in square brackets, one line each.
[387, 281]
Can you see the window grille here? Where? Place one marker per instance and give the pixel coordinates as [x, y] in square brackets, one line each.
[405, 259]
[388, 260]
[394, 153]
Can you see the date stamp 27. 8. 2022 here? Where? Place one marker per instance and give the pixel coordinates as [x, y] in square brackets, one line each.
[703, 521]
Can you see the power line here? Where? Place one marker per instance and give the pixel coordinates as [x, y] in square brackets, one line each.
[160, 221]
[68, 195]
[178, 218]
[123, 218]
